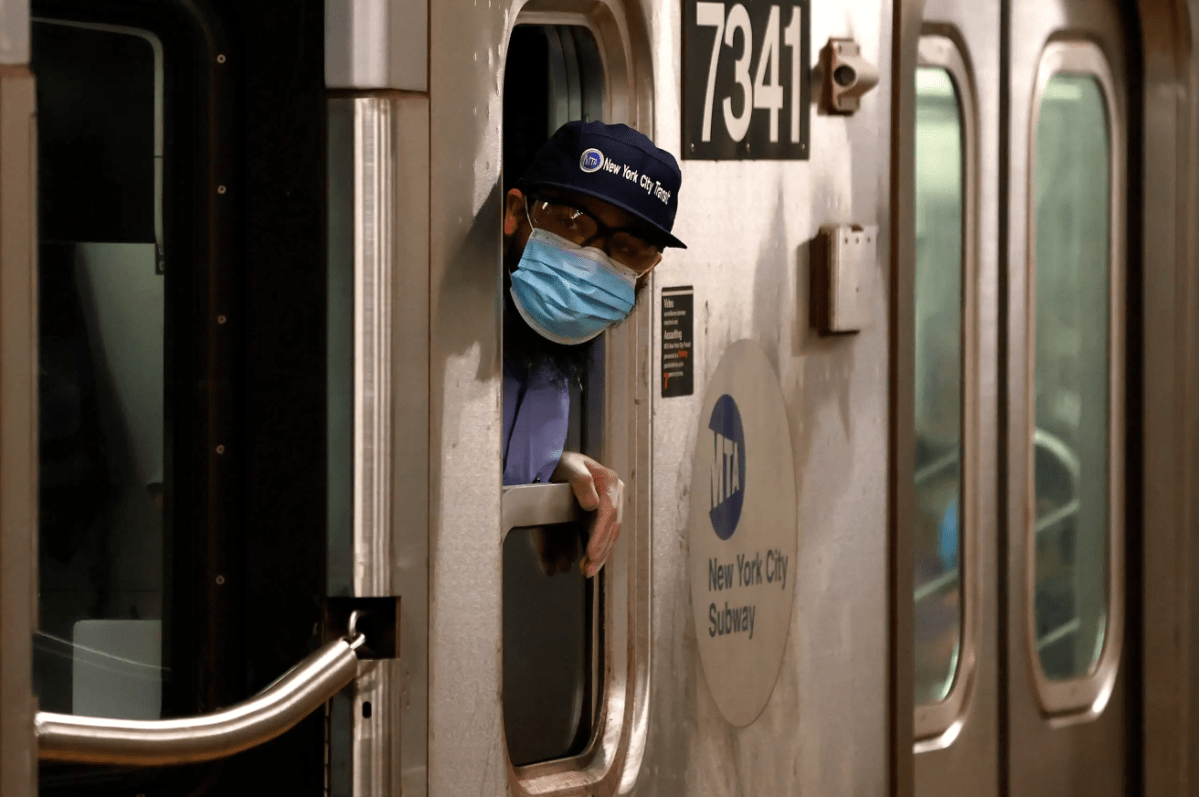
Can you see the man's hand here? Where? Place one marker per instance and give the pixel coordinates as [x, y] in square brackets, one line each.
[600, 490]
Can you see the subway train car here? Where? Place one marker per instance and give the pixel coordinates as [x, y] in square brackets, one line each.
[909, 431]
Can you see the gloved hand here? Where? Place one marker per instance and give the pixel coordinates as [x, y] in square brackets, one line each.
[600, 490]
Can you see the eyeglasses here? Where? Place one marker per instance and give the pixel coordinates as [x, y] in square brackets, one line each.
[625, 245]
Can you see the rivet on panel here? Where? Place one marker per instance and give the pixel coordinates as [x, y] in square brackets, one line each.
[221, 319]
[220, 59]
[220, 580]
[220, 189]
[220, 449]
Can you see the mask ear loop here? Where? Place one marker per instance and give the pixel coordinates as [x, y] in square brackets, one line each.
[529, 218]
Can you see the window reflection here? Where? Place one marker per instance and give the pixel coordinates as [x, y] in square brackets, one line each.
[1072, 196]
[101, 537]
[938, 384]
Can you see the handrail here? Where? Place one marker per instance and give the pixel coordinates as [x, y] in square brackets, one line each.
[930, 588]
[1061, 632]
[935, 467]
[1051, 519]
[270, 713]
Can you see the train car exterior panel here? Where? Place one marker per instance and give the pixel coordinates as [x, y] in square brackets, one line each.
[965, 752]
[417, 511]
[751, 281]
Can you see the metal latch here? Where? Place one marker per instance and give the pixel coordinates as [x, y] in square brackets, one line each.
[847, 75]
[377, 619]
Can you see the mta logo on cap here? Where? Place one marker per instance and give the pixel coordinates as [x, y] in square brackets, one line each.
[613, 163]
[591, 161]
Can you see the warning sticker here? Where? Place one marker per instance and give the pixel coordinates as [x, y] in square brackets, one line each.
[678, 368]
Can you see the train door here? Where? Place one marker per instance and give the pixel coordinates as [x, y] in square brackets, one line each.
[1021, 662]
[18, 381]
[1067, 656]
[951, 68]
[164, 465]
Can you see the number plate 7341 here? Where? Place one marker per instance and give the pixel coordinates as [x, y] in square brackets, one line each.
[746, 80]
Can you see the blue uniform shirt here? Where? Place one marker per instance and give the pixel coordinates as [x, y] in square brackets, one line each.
[536, 418]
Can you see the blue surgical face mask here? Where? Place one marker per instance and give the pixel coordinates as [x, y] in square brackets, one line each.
[569, 293]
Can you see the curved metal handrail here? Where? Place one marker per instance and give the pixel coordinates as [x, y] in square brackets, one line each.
[270, 713]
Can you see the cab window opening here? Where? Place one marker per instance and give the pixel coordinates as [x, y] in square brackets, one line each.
[553, 626]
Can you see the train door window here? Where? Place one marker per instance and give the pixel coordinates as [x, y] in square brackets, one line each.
[943, 423]
[553, 643]
[1075, 473]
[938, 383]
[102, 477]
[130, 255]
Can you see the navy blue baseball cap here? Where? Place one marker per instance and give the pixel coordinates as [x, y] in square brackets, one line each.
[614, 163]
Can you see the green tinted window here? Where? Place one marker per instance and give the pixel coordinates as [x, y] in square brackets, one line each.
[1072, 200]
[938, 384]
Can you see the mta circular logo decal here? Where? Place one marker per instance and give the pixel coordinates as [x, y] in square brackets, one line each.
[591, 161]
[728, 467]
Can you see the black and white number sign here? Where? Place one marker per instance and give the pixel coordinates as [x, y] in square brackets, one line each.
[746, 76]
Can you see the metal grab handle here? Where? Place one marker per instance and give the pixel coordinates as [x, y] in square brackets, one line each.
[270, 713]
[538, 505]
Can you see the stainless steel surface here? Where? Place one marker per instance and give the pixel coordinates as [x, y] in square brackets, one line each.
[14, 32]
[18, 414]
[374, 267]
[377, 44]
[825, 730]
[538, 505]
[1087, 750]
[378, 259]
[901, 434]
[410, 435]
[465, 722]
[1169, 431]
[295, 695]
